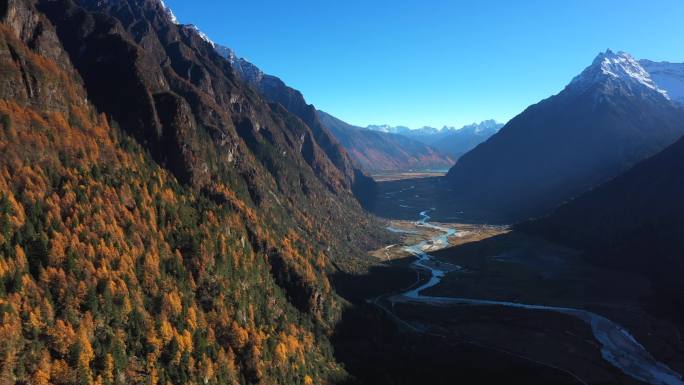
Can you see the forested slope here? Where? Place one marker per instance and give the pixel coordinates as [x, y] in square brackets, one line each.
[159, 221]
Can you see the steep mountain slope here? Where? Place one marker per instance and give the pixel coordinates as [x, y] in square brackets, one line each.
[458, 142]
[181, 79]
[607, 119]
[635, 221]
[378, 152]
[159, 221]
[276, 91]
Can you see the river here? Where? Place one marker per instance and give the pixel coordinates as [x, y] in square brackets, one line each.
[618, 346]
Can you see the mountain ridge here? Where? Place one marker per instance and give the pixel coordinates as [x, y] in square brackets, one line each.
[598, 126]
[380, 152]
[276, 91]
[669, 76]
[159, 220]
[619, 66]
[409, 155]
[632, 222]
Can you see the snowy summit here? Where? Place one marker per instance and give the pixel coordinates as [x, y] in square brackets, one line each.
[169, 12]
[619, 66]
[668, 76]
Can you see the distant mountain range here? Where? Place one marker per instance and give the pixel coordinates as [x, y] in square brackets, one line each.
[377, 151]
[448, 140]
[426, 132]
[610, 117]
[455, 143]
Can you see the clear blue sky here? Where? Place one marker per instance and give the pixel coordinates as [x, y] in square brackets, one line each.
[434, 62]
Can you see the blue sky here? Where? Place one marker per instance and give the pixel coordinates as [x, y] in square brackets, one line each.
[434, 62]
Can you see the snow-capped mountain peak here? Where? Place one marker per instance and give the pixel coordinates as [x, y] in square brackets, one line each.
[245, 69]
[174, 20]
[227, 53]
[619, 66]
[668, 76]
[169, 12]
[201, 34]
[388, 129]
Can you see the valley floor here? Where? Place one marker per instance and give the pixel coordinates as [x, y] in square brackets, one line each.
[388, 177]
[492, 263]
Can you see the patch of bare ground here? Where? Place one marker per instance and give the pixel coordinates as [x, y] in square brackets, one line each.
[412, 232]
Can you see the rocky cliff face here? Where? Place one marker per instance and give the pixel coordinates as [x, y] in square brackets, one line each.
[35, 32]
[159, 220]
[161, 74]
[148, 59]
[276, 91]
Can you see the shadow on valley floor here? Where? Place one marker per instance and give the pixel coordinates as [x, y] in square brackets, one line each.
[516, 267]
[527, 269]
[386, 342]
[376, 349]
[405, 198]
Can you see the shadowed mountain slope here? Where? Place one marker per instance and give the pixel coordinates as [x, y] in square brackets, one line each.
[606, 120]
[635, 222]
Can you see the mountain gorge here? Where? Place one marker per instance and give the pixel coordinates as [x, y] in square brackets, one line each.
[381, 152]
[276, 91]
[160, 222]
[371, 151]
[607, 119]
[170, 214]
